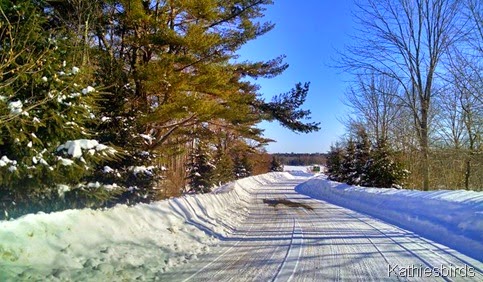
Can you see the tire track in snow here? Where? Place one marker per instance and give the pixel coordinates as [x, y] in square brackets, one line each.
[292, 258]
[280, 243]
[245, 235]
[241, 261]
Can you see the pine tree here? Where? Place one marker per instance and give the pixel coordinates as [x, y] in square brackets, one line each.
[335, 158]
[362, 156]
[179, 62]
[201, 170]
[285, 109]
[170, 66]
[223, 171]
[276, 165]
[242, 167]
[348, 171]
[47, 108]
[383, 170]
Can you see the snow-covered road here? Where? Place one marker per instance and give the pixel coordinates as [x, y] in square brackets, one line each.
[278, 226]
[290, 236]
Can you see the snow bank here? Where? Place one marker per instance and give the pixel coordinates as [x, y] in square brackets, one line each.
[452, 218]
[124, 242]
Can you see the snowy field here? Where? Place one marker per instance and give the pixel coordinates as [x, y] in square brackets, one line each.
[293, 168]
[147, 241]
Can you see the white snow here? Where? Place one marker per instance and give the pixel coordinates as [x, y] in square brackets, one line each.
[88, 90]
[5, 161]
[74, 95]
[107, 169]
[290, 168]
[94, 184]
[141, 241]
[142, 169]
[65, 162]
[44, 162]
[110, 187]
[452, 218]
[128, 242]
[62, 188]
[147, 137]
[75, 147]
[15, 107]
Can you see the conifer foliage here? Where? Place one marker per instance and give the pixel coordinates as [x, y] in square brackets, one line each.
[243, 167]
[47, 107]
[383, 170]
[334, 162]
[170, 78]
[201, 170]
[361, 163]
[276, 165]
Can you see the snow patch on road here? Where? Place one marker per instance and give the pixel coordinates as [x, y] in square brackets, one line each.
[452, 218]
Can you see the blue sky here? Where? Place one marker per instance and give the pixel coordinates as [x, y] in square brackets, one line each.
[308, 33]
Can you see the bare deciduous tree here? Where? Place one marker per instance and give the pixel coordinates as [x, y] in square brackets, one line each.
[465, 72]
[375, 105]
[450, 124]
[407, 41]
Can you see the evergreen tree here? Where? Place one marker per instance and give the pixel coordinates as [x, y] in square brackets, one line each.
[285, 109]
[242, 167]
[172, 66]
[362, 156]
[348, 171]
[335, 158]
[201, 170]
[276, 165]
[47, 108]
[223, 171]
[383, 170]
[168, 67]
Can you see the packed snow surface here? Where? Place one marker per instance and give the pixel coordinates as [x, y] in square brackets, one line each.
[276, 226]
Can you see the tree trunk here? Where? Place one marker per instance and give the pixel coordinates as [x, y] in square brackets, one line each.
[424, 139]
[467, 174]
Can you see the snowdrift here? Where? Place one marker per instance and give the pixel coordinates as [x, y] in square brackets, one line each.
[452, 218]
[123, 241]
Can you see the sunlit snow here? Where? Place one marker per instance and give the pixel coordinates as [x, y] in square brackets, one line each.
[147, 240]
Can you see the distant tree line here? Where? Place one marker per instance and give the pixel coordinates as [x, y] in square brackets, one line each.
[126, 101]
[418, 87]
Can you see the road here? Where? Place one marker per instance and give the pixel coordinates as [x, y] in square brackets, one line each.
[292, 237]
